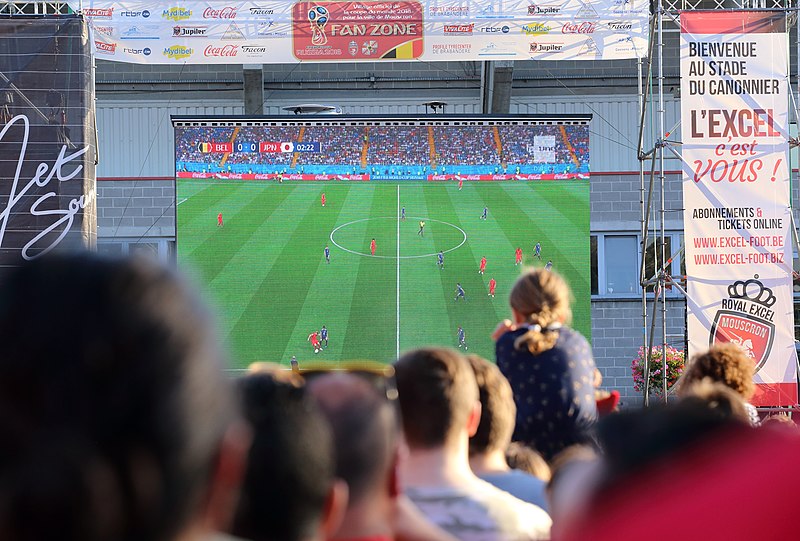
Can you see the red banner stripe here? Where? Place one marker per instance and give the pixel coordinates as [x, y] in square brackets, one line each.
[733, 22]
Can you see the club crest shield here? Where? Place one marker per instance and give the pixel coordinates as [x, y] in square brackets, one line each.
[746, 319]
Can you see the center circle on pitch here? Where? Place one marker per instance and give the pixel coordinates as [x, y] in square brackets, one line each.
[414, 220]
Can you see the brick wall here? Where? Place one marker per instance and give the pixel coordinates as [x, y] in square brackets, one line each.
[135, 209]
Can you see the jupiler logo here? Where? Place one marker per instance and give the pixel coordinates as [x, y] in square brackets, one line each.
[746, 319]
[544, 9]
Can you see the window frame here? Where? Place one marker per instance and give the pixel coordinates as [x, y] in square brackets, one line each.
[675, 240]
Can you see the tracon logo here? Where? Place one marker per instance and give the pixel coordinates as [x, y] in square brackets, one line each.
[254, 49]
[227, 12]
[261, 11]
[224, 51]
[620, 25]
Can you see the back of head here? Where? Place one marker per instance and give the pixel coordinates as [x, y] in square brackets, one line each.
[523, 458]
[542, 298]
[498, 410]
[633, 441]
[724, 363]
[437, 392]
[112, 402]
[365, 431]
[290, 468]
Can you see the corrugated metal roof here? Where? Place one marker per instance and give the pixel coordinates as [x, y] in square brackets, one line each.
[136, 138]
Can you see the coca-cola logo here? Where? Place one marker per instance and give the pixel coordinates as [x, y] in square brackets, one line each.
[227, 12]
[225, 51]
[585, 27]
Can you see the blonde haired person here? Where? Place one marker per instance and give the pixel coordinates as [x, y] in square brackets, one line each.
[550, 366]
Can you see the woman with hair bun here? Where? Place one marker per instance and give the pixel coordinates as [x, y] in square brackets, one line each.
[550, 366]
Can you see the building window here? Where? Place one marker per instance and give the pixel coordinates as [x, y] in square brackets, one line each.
[616, 262]
[162, 250]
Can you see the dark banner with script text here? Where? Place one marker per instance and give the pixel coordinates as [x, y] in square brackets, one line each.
[47, 138]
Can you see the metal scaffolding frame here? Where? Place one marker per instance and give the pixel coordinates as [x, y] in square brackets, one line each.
[668, 11]
[17, 8]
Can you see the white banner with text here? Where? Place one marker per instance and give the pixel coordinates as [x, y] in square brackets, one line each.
[736, 191]
[279, 32]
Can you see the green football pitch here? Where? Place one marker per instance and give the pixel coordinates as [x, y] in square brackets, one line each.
[265, 273]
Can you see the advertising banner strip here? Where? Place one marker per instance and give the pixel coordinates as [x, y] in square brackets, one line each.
[278, 32]
[735, 122]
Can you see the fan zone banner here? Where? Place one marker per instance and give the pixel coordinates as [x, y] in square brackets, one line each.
[735, 131]
[195, 32]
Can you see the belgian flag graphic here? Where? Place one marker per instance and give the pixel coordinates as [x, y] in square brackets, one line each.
[204, 147]
[404, 51]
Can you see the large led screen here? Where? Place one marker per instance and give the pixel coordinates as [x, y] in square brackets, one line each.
[293, 225]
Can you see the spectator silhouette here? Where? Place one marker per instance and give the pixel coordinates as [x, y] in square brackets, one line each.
[550, 366]
[440, 411]
[290, 492]
[117, 421]
[366, 432]
[487, 447]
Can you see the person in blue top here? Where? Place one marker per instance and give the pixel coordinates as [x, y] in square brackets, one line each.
[485, 213]
[327, 254]
[537, 251]
[549, 265]
[462, 338]
[403, 213]
[549, 366]
[460, 292]
[440, 260]
[323, 335]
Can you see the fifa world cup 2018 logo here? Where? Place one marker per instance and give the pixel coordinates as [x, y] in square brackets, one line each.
[318, 17]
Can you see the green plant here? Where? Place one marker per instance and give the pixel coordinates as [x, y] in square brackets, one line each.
[676, 362]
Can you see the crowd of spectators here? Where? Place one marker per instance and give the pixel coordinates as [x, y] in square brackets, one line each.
[121, 425]
[465, 145]
[406, 145]
[341, 145]
[570, 144]
[391, 151]
[187, 142]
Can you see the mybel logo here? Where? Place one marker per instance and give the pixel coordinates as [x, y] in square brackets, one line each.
[746, 318]
[176, 14]
[534, 29]
[178, 52]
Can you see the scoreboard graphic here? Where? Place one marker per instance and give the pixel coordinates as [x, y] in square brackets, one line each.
[264, 147]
